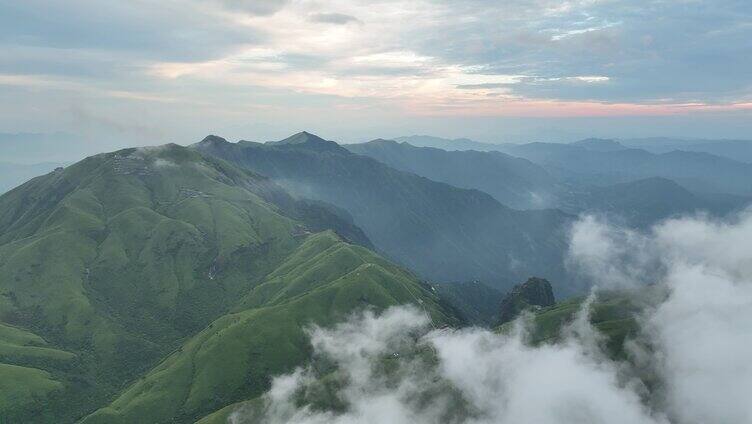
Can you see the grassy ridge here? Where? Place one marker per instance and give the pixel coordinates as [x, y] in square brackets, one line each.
[235, 356]
[613, 314]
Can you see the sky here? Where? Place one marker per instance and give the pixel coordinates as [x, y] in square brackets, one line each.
[145, 72]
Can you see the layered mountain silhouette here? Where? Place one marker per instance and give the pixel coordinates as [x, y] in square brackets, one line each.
[515, 182]
[702, 172]
[442, 232]
[639, 201]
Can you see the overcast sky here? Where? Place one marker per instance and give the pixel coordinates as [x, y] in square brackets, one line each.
[509, 70]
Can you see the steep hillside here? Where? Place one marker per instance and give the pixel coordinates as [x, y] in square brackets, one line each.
[112, 263]
[442, 232]
[515, 182]
[234, 357]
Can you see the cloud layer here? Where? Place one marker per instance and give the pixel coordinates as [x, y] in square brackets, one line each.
[227, 61]
[693, 348]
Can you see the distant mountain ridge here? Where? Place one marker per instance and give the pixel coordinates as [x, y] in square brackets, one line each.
[445, 143]
[600, 144]
[520, 183]
[739, 150]
[515, 182]
[702, 172]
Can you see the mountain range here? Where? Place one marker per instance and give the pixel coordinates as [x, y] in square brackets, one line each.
[442, 232]
[641, 200]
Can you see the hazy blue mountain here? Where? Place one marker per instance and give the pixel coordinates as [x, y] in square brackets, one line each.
[739, 150]
[13, 174]
[600, 144]
[515, 182]
[644, 202]
[520, 183]
[446, 143]
[442, 232]
[701, 172]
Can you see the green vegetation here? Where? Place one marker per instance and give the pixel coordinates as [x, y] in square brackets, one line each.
[612, 314]
[169, 285]
[234, 357]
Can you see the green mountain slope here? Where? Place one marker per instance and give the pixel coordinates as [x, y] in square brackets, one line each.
[114, 263]
[613, 313]
[119, 257]
[442, 232]
[235, 356]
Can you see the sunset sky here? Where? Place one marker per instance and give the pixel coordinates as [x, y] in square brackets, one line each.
[518, 70]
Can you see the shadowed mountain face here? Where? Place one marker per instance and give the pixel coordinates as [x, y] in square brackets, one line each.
[532, 294]
[124, 258]
[515, 182]
[442, 232]
[475, 302]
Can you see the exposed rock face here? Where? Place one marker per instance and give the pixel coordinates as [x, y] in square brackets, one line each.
[534, 293]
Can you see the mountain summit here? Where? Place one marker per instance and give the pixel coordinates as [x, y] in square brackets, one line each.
[308, 141]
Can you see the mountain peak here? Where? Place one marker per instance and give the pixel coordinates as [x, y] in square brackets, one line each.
[213, 140]
[306, 140]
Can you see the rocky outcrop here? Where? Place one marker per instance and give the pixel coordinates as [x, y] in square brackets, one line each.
[534, 293]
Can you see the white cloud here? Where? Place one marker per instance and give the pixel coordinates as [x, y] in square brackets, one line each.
[696, 341]
[702, 333]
